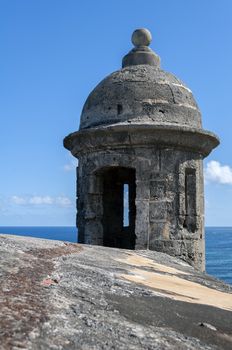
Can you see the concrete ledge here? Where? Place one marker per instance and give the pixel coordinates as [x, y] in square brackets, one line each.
[59, 295]
[141, 135]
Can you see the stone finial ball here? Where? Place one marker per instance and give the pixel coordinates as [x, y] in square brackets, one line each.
[141, 37]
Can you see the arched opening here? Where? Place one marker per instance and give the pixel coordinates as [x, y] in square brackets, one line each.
[119, 209]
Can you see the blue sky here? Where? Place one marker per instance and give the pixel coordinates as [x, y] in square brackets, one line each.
[53, 53]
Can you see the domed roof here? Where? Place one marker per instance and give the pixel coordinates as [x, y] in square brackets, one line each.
[140, 93]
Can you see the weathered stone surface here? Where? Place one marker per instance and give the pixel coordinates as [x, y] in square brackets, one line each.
[57, 295]
[144, 121]
[141, 37]
[146, 94]
[160, 203]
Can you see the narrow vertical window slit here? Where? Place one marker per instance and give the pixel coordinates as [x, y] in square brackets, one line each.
[190, 200]
[125, 205]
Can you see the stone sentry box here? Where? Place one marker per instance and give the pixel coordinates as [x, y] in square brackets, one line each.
[142, 127]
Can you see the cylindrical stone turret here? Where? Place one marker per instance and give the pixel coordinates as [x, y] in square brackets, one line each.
[140, 148]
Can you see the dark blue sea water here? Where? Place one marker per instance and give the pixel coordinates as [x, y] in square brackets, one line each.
[218, 245]
[219, 252]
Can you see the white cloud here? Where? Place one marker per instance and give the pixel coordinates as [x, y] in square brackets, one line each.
[18, 200]
[216, 172]
[71, 165]
[40, 200]
[61, 201]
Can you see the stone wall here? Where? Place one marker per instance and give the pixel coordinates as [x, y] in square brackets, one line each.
[169, 199]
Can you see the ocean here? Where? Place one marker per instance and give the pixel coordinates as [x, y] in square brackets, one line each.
[218, 245]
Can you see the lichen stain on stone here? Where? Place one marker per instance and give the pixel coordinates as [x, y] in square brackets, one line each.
[23, 298]
[66, 249]
[179, 288]
[47, 282]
